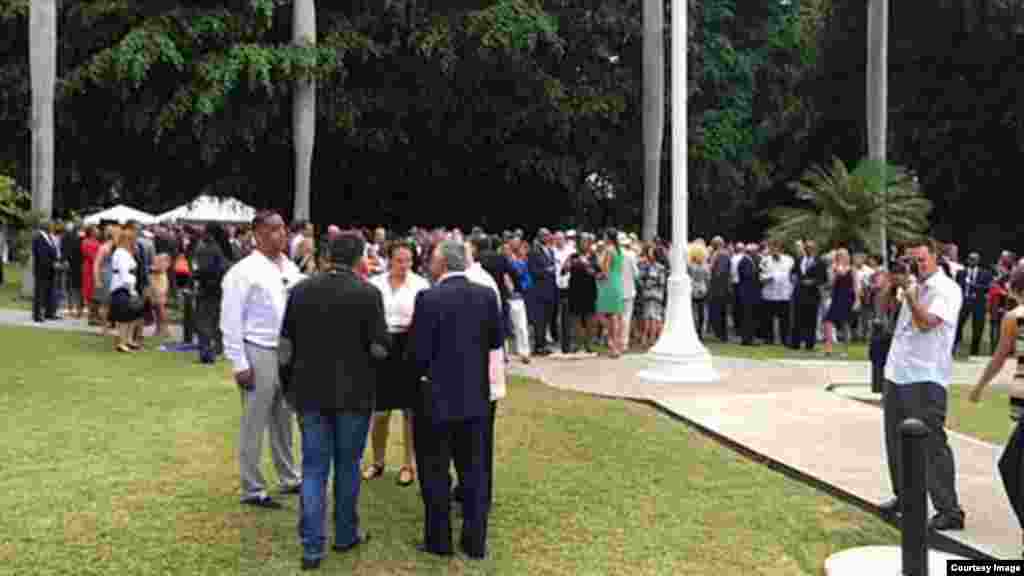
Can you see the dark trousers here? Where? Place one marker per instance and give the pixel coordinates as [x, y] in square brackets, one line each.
[737, 311]
[699, 308]
[539, 310]
[718, 308]
[772, 310]
[976, 312]
[457, 493]
[437, 444]
[804, 333]
[43, 298]
[925, 401]
[748, 317]
[565, 323]
[993, 330]
[207, 323]
[554, 317]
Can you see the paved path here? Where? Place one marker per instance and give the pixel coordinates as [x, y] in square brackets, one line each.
[12, 317]
[782, 411]
[779, 409]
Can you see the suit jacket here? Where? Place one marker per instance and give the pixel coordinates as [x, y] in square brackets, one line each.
[542, 269]
[749, 273]
[44, 255]
[981, 284]
[457, 325]
[331, 324]
[71, 250]
[720, 281]
[810, 283]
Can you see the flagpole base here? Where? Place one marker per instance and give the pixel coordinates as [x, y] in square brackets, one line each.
[679, 357]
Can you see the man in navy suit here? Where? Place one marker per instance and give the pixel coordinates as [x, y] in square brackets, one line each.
[44, 261]
[457, 324]
[974, 283]
[748, 294]
[542, 297]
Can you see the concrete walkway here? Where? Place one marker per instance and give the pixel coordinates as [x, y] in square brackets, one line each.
[12, 317]
[781, 411]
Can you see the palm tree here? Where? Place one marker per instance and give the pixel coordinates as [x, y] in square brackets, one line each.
[303, 111]
[848, 208]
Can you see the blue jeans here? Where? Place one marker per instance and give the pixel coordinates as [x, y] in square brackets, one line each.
[340, 437]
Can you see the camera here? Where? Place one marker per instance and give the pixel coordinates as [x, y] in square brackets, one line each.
[906, 266]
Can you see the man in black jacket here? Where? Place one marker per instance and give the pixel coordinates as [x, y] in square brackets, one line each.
[332, 336]
[457, 325]
[811, 276]
[720, 288]
[974, 282]
[44, 262]
[211, 265]
[543, 295]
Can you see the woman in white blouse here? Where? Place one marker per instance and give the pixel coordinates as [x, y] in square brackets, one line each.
[396, 386]
[124, 291]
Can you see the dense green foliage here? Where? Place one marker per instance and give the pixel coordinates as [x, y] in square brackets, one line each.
[457, 112]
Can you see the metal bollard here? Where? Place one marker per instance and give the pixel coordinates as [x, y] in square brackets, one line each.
[187, 323]
[914, 498]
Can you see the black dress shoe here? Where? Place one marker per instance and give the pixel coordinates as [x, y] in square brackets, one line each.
[423, 548]
[946, 521]
[891, 507]
[363, 539]
[310, 564]
[263, 502]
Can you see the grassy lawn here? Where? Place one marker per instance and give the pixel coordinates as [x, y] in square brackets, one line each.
[9, 290]
[127, 465]
[989, 420]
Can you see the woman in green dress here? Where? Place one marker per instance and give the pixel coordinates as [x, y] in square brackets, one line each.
[610, 295]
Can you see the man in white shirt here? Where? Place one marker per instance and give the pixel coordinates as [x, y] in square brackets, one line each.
[252, 310]
[917, 376]
[630, 270]
[776, 277]
[738, 253]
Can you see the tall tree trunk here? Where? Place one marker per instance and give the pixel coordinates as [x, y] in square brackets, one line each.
[303, 111]
[653, 110]
[43, 70]
[42, 35]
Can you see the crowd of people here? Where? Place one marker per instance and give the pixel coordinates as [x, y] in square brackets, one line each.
[378, 311]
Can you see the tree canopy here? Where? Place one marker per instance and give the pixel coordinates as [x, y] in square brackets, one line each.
[483, 111]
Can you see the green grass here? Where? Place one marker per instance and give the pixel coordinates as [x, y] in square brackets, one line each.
[128, 465]
[10, 296]
[988, 420]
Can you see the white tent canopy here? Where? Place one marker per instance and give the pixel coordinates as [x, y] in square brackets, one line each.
[210, 209]
[121, 214]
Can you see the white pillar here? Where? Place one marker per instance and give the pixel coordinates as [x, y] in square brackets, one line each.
[42, 70]
[303, 112]
[878, 92]
[679, 356]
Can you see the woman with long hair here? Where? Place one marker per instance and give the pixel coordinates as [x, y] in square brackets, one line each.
[1011, 342]
[397, 387]
[845, 297]
[102, 272]
[124, 295]
[610, 294]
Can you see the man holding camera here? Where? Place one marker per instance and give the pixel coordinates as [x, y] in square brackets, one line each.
[918, 371]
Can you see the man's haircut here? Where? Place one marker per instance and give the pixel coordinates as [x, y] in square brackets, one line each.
[454, 255]
[347, 249]
[394, 246]
[481, 244]
[924, 241]
[262, 218]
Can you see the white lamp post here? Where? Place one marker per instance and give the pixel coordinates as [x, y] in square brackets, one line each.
[679, 356]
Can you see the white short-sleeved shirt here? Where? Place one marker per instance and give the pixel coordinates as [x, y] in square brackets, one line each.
[926, 356]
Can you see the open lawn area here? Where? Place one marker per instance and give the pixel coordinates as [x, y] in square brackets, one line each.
[127, 465]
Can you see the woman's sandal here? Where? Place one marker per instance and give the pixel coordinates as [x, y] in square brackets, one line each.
[406, 476]
[373, 471]
[124, 348]
[134, 346]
